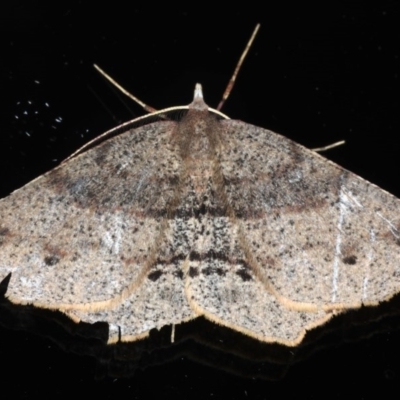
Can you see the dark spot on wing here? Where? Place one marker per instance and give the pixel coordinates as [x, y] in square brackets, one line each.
[200, 211]
[179, 274]
[155, 275]
[350, 260]
[213, 270]
[3, 233]
[244, 274]
[193, 272]
[51, 260]
[195, 256]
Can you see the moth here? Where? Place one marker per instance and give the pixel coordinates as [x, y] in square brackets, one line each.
[206, 216]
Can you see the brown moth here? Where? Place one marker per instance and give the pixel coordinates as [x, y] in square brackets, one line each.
[203, 217]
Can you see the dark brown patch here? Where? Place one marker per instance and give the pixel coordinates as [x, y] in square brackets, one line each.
[51, 260]
[185, 213]
[350, 260]
[195, 256]
[155, 275]
[213, 270]
[211, 254]
[244, 275]
[198, 212]
[3, 233]
[193, 272]
[176, 260]
[179, 274]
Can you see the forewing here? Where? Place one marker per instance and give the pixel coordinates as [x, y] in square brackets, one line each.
[86, 233]
[319, 235]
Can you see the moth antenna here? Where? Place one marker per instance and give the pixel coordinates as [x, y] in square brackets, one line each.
[329, 146]
[142, 104]
[232, 81]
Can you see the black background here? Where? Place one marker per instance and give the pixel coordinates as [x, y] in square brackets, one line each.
[315, 74]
